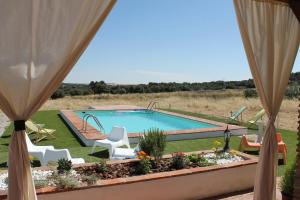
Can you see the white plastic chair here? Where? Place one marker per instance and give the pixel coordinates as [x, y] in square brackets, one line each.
[123, 153]
[36, 151]
[116, 138]
[55, 154]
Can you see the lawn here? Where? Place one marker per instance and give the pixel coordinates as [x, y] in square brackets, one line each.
[66, 139]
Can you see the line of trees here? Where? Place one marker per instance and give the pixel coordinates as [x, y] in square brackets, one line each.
[100, 87]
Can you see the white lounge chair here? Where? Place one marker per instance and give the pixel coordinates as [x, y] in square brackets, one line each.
[36, 151]
[116, 138]
[125, 153]
[55, 154]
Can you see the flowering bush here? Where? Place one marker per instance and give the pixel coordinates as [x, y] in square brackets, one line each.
[179, 160]
[144, 164]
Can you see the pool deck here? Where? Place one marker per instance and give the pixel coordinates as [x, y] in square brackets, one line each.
[75, 123]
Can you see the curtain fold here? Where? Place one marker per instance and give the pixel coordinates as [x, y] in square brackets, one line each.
[40, 43]
[295, 6]
[271, 35]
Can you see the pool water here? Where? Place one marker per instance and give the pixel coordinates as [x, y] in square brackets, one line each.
[139, 121]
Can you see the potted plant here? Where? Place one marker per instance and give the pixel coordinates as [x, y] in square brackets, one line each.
[287, 182]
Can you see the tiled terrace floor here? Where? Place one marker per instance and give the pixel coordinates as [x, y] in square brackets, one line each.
[249, 196]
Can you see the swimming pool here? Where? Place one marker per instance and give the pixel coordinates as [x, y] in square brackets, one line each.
[139, 121]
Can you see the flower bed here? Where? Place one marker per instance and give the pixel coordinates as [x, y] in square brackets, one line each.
[193, 172]
[169, 163]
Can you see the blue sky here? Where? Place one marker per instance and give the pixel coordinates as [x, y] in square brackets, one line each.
[145, 41]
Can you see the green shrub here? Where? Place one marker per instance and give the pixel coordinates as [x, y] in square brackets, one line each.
[199, 160]
[287, 181]
[179, 160]
[64, 166]
[40, 183]
[101, 167]
[76, 92]
[194, 158]
[90, 180]
[66, 182]
[87, 92]
[58, 94]
[250, 93]
[292, 92]
[153, 143]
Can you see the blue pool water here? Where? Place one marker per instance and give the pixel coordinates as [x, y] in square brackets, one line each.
[137, 121]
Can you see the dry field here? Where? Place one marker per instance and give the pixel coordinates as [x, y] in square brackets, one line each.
[218, 103]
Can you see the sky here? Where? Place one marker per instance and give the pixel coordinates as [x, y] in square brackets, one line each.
[145, 41]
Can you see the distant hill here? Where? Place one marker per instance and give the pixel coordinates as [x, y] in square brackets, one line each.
[100, 87]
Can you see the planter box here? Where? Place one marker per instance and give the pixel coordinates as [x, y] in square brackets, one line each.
[193, 183]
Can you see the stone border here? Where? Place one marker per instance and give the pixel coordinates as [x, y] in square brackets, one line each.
[91, 134]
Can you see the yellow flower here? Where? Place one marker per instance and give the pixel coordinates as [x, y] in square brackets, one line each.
[214, 149]
[217, 143]
[30, 157]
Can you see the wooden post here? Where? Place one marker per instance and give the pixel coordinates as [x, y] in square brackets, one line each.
[297, 176]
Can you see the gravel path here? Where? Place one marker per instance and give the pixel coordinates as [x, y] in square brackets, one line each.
[4, 122]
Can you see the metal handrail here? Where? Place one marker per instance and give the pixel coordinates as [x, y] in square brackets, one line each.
[85, 119]
[152, 105]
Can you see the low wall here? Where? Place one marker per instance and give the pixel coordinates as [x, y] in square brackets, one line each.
[192, 183]
[194, 186]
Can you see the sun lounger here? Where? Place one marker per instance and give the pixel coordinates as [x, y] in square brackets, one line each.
[125, 153]
[257, 117]
[39, 130]
[281, 148]
[235, 115]
[245, 145]
[36, 151]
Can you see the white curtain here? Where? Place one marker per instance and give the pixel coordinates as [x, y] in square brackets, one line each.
[271, 35]
[40, 41]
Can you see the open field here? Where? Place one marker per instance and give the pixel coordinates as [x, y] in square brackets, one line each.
[216, 103]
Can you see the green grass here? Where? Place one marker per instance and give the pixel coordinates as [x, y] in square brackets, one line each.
[66, 139]
[289, 137]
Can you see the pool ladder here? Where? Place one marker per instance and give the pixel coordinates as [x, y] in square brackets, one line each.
[85, 120]
[152, 105]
